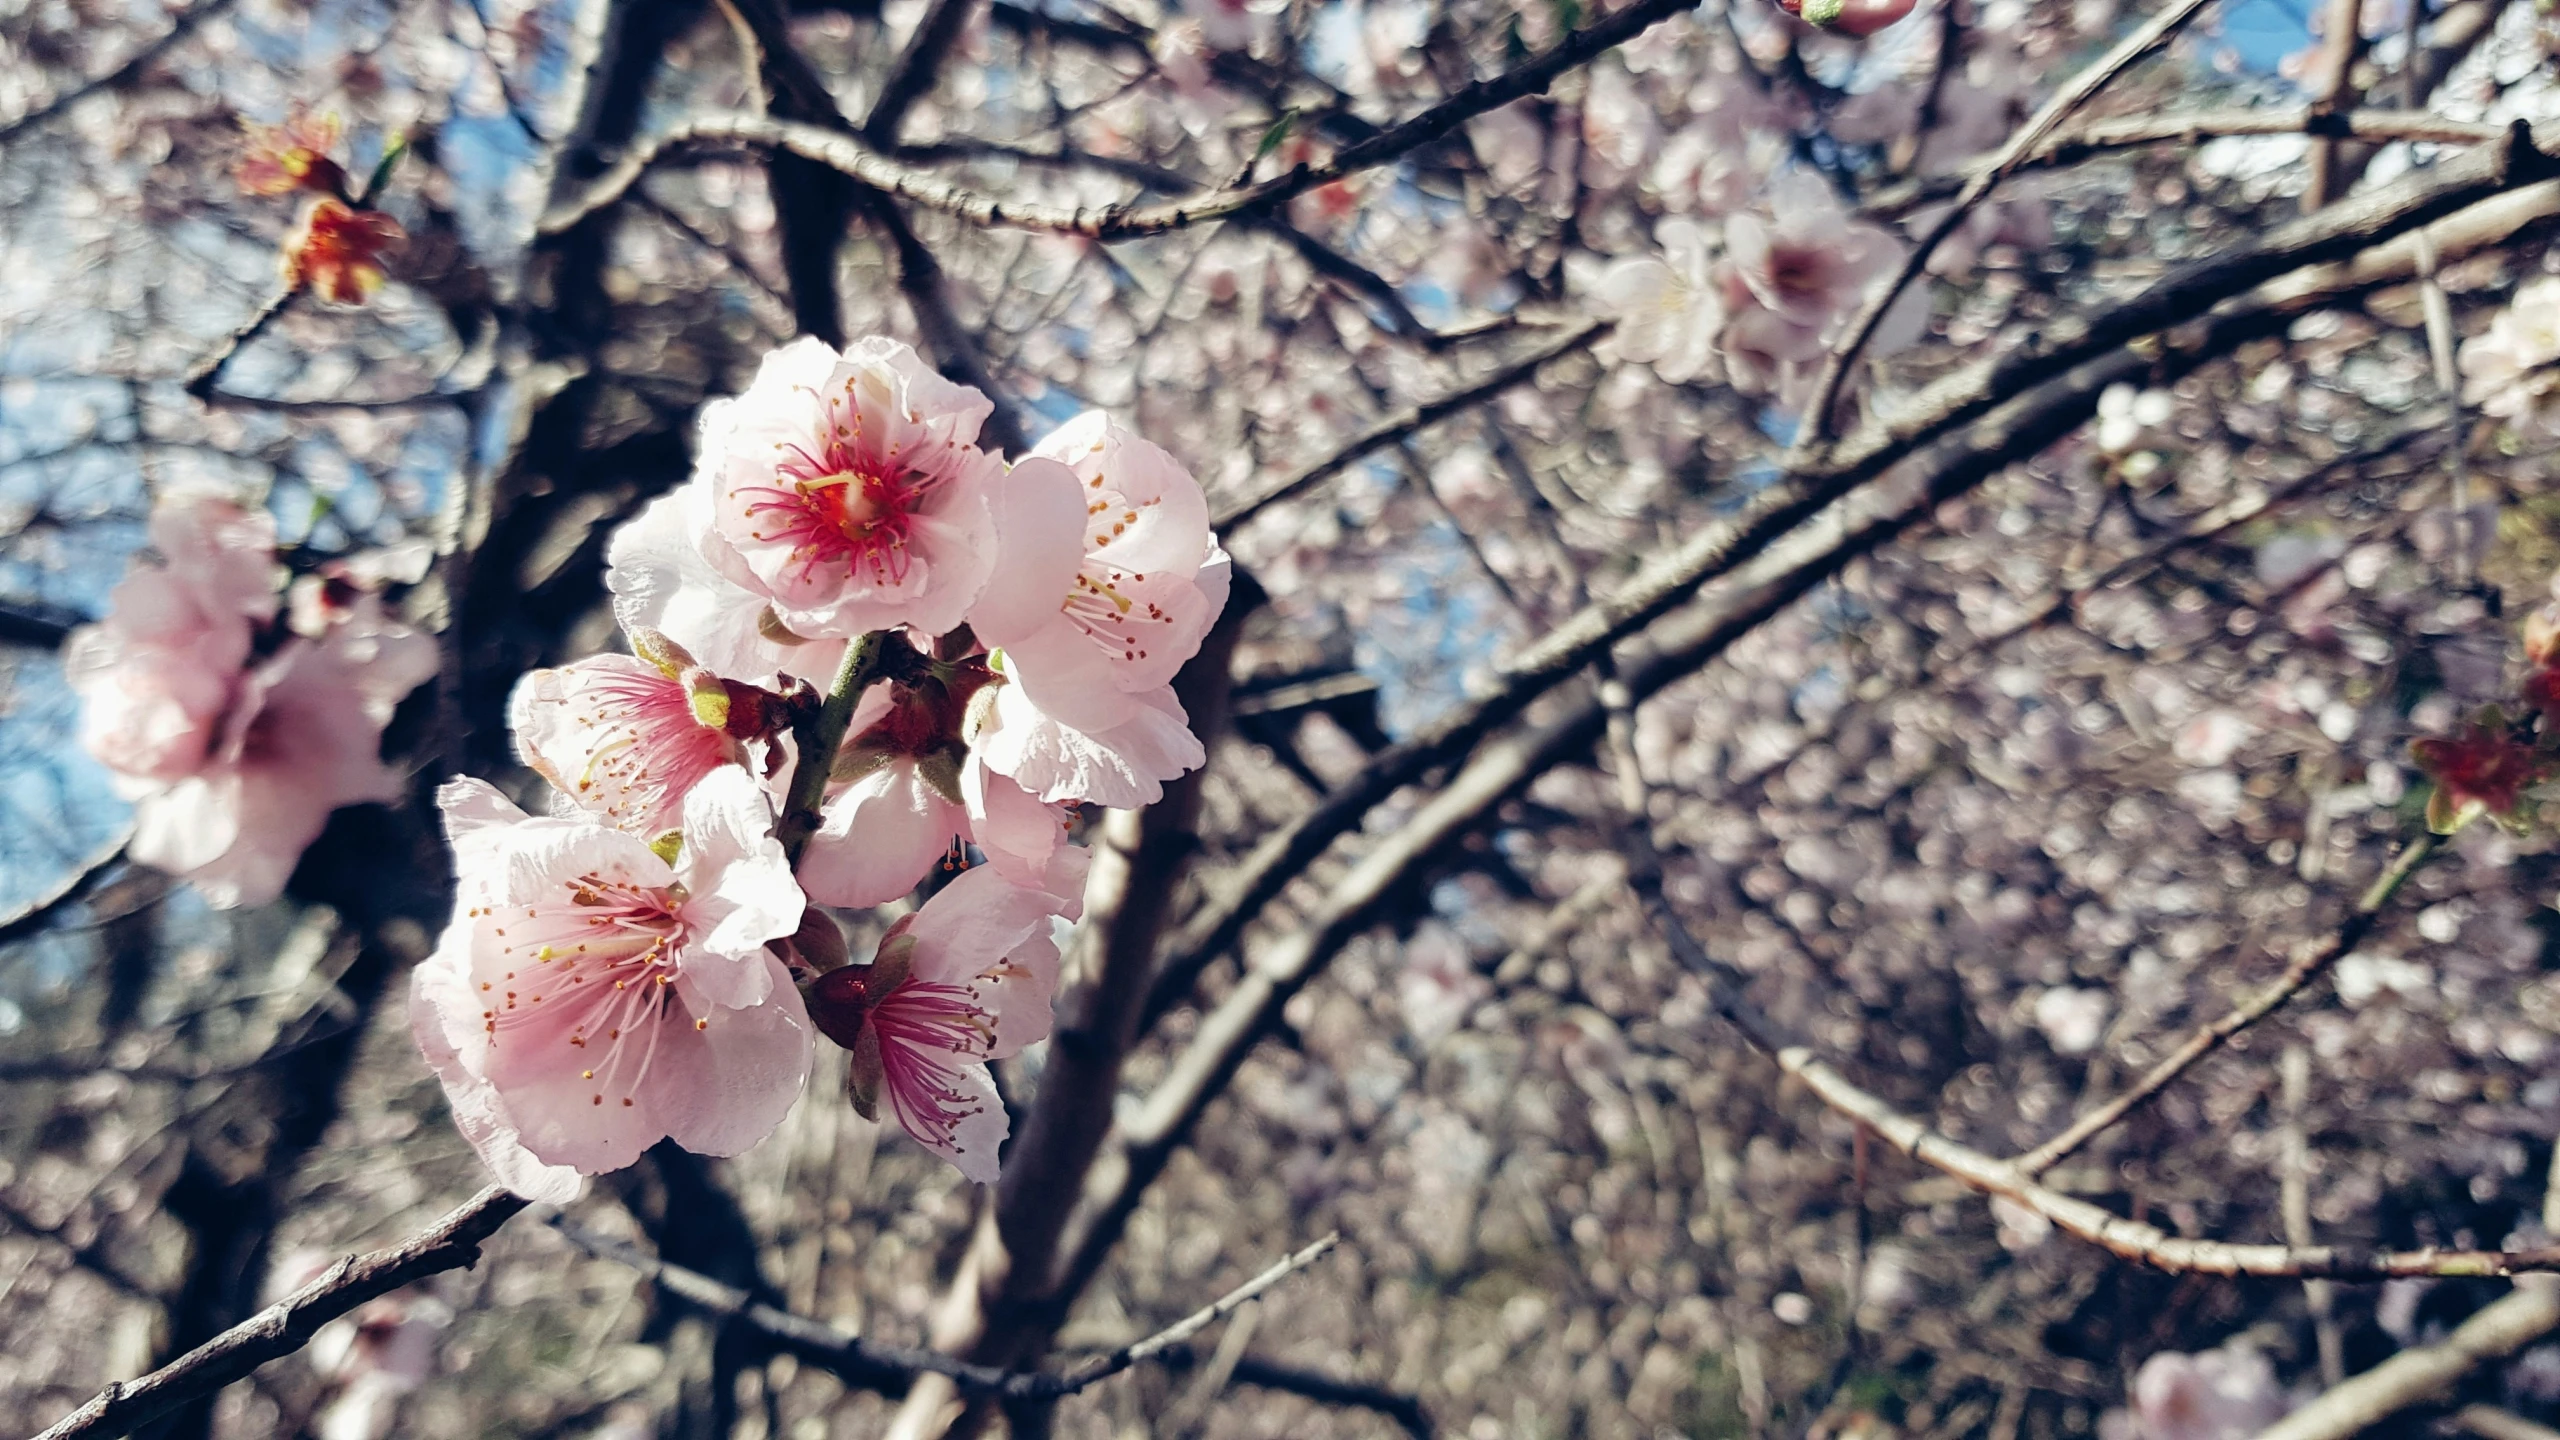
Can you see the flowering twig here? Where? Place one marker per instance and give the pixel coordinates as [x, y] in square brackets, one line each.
[2210, 1038]
[451, 1243]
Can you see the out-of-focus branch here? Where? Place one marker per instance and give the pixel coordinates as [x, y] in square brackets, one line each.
[1973, 413]
[871, 166]
[2121, 132]
[2330, 93]
[2305, 968]
[2075, 92]
[1772, 578]
[2491, 1423]
[36, 627]
[38, 911]
[912, 75]
[2418, 1375]
[452, 1243]
[1403, 425]
[2130, 1239]
[893, 1367]
[180, 27]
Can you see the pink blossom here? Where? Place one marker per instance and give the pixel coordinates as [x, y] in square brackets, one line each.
[2220, 1394]
[155, 676]
[1621, 129]
[622, 738]
[913, 790]
[589, 997]
[663, 580]
[302, 737]
[1793, 279]
[1110, 581]
[966, 980]
[848, 490]
[234, 761]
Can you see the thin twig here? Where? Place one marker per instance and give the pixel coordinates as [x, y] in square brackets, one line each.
[179, 29]
[2305, 968]
[451, 1243]
[2076, 92]
[38, 910]
[873, 167]
[874, 1365]
[1404, 424]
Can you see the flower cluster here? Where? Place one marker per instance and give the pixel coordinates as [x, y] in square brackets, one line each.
[997, 641]
[2486, 766]
[337, 244]
[236, 710]
[1792, 271]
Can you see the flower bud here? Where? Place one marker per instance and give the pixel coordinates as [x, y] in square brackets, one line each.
[1850, 17]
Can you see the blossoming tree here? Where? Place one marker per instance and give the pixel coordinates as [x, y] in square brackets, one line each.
[1626, 719]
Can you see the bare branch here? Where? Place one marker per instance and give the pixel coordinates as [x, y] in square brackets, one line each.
[451, 1243]
[873, 167]
[74, 886]
[2304, 969]
[2076, 92]
[891, 1367]
[1405, 424]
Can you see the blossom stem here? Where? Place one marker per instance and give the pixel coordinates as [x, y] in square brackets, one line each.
[817, 739]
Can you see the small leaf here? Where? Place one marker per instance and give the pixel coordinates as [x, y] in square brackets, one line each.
[382, 169]
[1278, 132]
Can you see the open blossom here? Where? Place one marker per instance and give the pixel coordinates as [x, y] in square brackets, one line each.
[2227, 1393]
[1668, 310]
[336, 251]
[662, 581]
[1793, 278]
[280, 159]
[590, 997]
[156, 675]
[232, 759]
[628, 738]
[848, 490]
[1110, 582]
[2509, 370]
[963, 981]
[911, 791]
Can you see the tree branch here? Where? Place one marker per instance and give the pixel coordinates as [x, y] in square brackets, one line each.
[892, 1368]
[452, 1243]
[873, 167]
[2305, 968]
[1403, 425]
[2076, 92]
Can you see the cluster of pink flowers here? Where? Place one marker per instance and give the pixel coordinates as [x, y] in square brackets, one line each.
[649, 960]
[236, 710]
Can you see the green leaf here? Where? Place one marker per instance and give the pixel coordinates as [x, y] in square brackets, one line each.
[1278, 132]
[382, 169]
